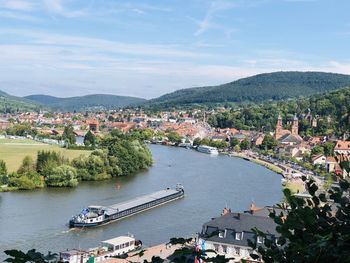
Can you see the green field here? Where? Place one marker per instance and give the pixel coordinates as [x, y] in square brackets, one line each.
[295, 187]
[12, 151]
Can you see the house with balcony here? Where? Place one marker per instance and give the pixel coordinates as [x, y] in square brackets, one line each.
[228, 234]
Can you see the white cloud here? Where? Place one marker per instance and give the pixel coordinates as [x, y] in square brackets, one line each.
[98, 45]
[65, 65]
[207, 22]
[339, 67]
[17, 5]
[56, 7]
[19, 16]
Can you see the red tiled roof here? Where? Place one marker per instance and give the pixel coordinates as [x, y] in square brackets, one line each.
[342, 145]
[330, 159]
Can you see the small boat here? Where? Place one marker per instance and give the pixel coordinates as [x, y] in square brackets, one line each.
[95, 215]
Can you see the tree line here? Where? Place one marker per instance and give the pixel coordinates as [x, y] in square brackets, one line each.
[117, 155]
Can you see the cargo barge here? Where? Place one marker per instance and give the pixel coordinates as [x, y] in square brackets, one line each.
[98, 215]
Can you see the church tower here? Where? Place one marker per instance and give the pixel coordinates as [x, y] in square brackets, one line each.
[295, 125]
[279, 126]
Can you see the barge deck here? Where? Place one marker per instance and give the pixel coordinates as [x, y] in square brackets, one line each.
[95, 215]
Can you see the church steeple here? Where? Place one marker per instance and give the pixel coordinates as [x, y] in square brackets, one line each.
[279, 126]
[295, 125]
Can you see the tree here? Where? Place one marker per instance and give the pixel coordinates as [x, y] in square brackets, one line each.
[245, 144]
[27, 165]
[316, 229]
[62, 176]
[234, 142]
[328, 148]
[3, 173]
[189, 254]
[269, 142]
[317, 150]
[3, 168]
[90, 139]
[196, 141]
[174, 137]
[237, 148]
[68, 134]
[47, 160]
[17, 256]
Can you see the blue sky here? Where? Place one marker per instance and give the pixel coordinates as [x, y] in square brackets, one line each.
[148, 48]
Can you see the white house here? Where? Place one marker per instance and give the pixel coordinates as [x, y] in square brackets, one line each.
[319, 159]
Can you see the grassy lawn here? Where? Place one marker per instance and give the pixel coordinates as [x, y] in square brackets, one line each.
[13, 151]
[18, 141]
[270, 166]
[295, 186]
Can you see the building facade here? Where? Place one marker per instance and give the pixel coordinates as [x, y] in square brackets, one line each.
[228, 234]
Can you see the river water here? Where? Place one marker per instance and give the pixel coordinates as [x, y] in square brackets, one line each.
[38, 219]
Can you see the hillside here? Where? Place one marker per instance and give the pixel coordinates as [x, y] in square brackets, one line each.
[258, 88]
[10, 104]
[319, 114]
[82, 103]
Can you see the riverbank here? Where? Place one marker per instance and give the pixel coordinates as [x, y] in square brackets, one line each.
[270, 166]
[45, 229]
[295, 186]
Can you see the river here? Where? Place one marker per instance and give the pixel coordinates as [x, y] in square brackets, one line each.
[38, 219]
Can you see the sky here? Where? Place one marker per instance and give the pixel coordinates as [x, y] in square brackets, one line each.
[149, 48]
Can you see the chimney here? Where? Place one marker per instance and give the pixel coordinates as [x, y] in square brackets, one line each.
[226, 211]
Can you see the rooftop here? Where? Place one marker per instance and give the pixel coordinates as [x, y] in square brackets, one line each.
[119, 240]
[342, 145]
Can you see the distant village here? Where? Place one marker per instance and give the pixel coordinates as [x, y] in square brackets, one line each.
[188, 127]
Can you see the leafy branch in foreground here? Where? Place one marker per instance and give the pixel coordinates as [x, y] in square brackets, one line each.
[316, 229]
[17, 256]
[188, 253]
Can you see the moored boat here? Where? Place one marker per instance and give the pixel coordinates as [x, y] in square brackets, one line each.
[207, 149]
[95, 215]
[111, 248]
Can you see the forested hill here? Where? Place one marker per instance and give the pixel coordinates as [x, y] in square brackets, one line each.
[10, 104]
[88, 102]
[258, 88]
[330, 111]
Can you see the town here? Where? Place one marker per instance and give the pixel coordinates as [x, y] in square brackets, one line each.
[324, 154]
[137, 131]
[323, 158]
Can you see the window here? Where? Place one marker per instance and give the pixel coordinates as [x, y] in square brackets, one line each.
[221, 234]
[259, 240]
[224, 249]
[238, 251]
[216, 247]
[239, 235]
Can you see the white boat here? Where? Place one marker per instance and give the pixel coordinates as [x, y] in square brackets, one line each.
[109, 248]
[207, 149]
